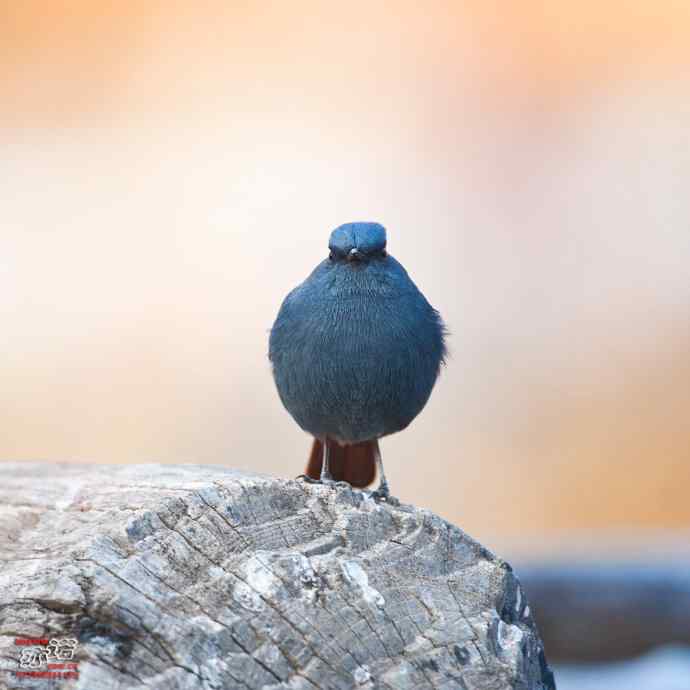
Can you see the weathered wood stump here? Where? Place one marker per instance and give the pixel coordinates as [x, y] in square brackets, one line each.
[177, 577]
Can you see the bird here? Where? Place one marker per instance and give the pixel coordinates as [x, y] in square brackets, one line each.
[355, 352]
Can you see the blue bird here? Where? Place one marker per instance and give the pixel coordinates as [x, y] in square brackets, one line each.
[355, 351]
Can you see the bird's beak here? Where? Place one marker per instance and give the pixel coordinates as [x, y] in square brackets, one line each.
[355, 255]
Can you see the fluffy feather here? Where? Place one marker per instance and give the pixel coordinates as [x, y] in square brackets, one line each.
[356, 348]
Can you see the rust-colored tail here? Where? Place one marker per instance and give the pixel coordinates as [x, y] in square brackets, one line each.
[355, 464]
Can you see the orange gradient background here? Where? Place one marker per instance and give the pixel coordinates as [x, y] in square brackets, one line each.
[168, 171]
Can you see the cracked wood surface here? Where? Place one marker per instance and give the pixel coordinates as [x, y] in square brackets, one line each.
[181, 577]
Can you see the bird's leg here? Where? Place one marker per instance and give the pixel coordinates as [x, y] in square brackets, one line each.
[326, 475]
[383, 491]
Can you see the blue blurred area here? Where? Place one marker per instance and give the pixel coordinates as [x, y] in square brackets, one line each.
[616, 623]
[667, 668]
[594, 611]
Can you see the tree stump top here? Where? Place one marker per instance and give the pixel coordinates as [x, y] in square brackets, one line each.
[181, 577]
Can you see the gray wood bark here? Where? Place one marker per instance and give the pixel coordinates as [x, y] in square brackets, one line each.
[181, 577]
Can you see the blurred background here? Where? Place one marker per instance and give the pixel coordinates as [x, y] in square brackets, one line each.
[168, 171]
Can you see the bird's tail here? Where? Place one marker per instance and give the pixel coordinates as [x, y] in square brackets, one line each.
[355, 464]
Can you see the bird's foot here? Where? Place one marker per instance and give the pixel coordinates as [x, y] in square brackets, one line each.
[383, 494]
[306, 478]
[337, 483]
[326, 481]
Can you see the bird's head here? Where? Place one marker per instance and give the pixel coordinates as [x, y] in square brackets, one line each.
[357, 242]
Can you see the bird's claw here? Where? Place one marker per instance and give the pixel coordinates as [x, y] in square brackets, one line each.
[306, 478]
[326, 481]
[383, 494]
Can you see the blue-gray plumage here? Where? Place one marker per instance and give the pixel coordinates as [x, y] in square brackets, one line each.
[356, 348]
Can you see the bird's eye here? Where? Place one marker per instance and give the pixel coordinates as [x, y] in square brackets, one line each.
[331, 256]
[384, 253]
